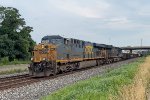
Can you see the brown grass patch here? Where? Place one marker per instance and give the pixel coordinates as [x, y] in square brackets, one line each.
[138, 89]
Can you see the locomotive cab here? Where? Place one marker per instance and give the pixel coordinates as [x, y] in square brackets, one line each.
[43, 60]
[44, 52]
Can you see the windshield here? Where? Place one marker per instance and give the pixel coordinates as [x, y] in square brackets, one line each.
[56, 41]
[45, 41]
[53, 41]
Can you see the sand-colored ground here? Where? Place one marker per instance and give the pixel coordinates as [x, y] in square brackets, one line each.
[12, 67]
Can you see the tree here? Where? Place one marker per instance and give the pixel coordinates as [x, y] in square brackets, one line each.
[15, 38]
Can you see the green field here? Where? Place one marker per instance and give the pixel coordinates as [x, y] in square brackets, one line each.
[102, 87]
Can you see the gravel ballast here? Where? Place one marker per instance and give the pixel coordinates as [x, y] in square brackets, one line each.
[36, 90]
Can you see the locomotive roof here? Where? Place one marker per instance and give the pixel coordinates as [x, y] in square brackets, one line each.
[102, 45]
[86, 42]
[52, 37]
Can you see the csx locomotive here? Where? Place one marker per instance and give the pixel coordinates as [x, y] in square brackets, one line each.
[56, 54]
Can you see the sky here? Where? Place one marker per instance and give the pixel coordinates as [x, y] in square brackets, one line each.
[115, 22]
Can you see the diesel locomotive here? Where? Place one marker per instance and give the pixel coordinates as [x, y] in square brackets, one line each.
[56, 54]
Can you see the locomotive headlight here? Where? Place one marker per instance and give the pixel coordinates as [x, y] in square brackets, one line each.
[31, 59]
[44, 58]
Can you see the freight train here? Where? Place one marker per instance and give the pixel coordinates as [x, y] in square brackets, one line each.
[56, 54]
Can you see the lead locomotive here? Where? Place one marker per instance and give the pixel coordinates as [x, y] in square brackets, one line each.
[56, 54]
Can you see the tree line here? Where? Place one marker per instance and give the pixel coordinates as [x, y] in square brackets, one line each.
[15, 38]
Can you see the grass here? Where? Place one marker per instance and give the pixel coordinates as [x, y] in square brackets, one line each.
[12, 71]
[5, 61]
[102, 87]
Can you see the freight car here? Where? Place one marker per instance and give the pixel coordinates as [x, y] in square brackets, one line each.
[129, 55]
[56, 54]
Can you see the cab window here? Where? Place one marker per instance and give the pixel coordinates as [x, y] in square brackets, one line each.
[56, 41]
[45, 41]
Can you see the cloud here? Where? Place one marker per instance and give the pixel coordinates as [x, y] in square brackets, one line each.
[125, 22]
[95, 10]
[144, 11]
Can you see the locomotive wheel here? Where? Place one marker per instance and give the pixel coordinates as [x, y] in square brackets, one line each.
[54, 68]
[97, 62]
[68, 68]
[77, 65]
[59, 71]
[38, 68]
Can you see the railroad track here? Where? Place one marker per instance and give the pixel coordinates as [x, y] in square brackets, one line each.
[23, 80]
[16, 81]
[13, 77]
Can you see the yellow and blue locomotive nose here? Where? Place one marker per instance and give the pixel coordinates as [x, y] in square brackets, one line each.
[43, 55]
[44, 52]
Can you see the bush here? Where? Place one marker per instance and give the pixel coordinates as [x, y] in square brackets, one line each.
[4, 60]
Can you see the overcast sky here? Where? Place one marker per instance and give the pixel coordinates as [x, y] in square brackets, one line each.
[116, 22]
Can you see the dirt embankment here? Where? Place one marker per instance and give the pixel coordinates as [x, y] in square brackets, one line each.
[11, 67]
[8, 69]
